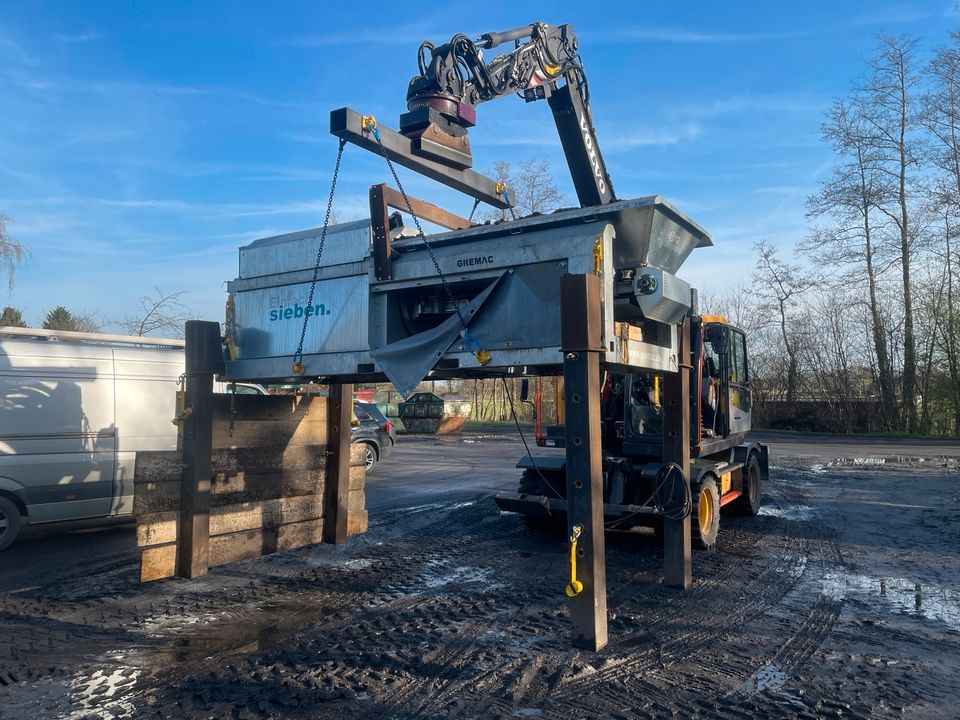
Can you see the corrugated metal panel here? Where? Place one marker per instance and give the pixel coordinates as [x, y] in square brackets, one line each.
[346, 242]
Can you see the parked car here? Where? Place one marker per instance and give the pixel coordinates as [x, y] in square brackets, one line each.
[75, 409]
[371, 429]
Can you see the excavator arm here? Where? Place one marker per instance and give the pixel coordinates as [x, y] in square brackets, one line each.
[544, 64]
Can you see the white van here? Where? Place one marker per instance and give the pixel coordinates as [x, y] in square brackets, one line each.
[75, 408]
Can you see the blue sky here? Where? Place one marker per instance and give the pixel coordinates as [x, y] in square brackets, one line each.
[142, 143]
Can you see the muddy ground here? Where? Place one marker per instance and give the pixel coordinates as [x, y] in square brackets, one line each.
[842, 599]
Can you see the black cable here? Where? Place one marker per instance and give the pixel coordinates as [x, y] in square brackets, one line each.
[669, 470]
[516, 421]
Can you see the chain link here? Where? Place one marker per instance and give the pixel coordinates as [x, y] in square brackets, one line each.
[298, 355]
[476, 204]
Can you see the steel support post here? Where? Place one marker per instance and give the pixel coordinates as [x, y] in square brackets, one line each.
[676, 449]
[581, 342]
[204, 358]
[337, 481]
[380, 232]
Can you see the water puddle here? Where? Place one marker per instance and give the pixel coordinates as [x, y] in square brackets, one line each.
[788, 512]
[899, 595]
[460, 574]
[105, 692]
[769, 677]
[460, 505]
[941, 462]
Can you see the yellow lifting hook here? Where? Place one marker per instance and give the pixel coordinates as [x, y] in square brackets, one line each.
[183, 412]
[575, 587]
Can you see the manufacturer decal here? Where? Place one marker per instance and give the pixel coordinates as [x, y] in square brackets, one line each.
[472, 261]
[298, 311]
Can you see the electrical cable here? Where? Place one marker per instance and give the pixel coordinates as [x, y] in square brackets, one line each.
[516, 421]
[669, 470]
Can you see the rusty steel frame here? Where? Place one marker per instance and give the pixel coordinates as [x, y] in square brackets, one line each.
[382, 198]
[347, 124]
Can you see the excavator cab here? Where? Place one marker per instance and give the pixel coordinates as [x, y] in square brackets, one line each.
[720, 398]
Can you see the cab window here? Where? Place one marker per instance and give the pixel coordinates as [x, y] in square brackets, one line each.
[738, 358]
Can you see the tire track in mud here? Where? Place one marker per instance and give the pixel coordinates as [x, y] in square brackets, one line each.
[464, 641]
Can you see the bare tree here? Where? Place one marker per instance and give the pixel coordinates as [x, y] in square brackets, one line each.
[87, 322]
[850, 234]
[158, 312]
[892, 131]
[783, 284]
[940, 115]
[12, 253]
[532, 186]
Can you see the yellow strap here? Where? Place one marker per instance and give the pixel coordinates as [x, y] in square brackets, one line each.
[575, 587]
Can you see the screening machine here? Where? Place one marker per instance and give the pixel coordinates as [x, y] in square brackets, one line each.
[589, 293]
[503, 279]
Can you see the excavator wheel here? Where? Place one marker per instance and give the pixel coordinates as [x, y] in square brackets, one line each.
[749, 502]
[541, 482]
[706, 511]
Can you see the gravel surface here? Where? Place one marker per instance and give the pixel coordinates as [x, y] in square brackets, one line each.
[842, 599]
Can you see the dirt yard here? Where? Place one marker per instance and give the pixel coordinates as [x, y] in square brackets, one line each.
[842, 599]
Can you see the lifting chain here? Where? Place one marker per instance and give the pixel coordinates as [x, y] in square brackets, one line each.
[369, 122]
[298, 367]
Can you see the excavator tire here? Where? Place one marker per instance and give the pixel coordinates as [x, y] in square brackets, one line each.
[706, 511]
[533, 482]
[541, 482]
[749, 502]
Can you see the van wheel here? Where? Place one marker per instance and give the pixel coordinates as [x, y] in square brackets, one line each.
[9, 522]
[706, 511]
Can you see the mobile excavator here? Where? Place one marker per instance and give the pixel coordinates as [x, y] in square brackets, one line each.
[727, 471]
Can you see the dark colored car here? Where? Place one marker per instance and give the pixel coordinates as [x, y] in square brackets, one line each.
[374, 431]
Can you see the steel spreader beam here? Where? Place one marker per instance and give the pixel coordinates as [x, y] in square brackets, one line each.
[348, 124]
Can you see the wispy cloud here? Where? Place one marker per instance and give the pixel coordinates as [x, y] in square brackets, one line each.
[614, 142]
[756, 103]
[83, 203]
[408, 35]
[77, 38]
[894, 15]
[15, 50]
[687, 36]
[651, 137]
[38, 83]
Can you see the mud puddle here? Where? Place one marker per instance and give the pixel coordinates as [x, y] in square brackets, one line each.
[254, 630]
[799, 513]
[897, 595]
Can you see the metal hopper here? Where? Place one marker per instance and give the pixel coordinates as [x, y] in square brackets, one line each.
[650, 231]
